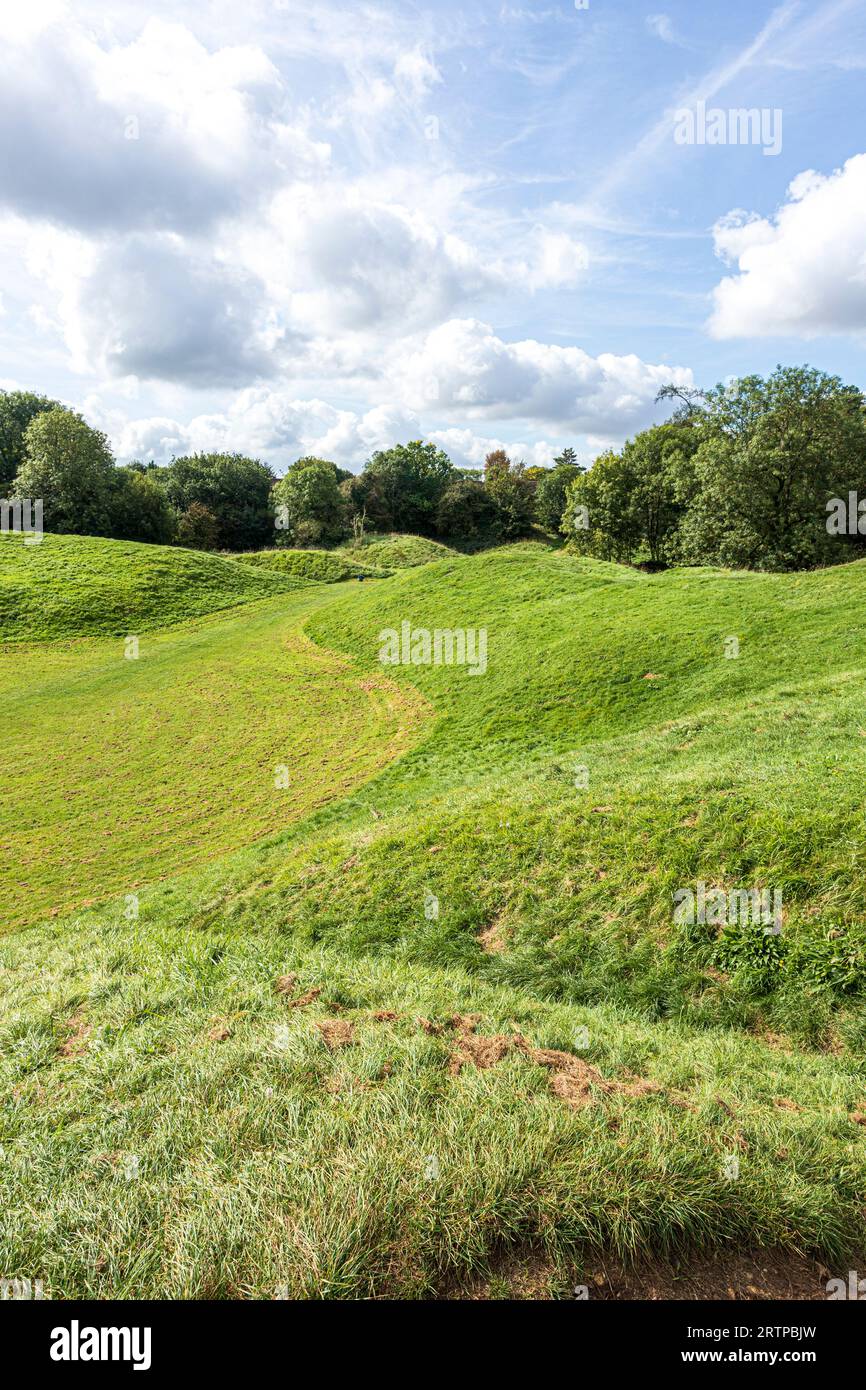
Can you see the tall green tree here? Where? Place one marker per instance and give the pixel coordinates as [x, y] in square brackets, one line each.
[139, 508]
[69, 465]
[234, 489]
[467, 512]
[773, 452]
[309, 506]
[512, 491]
[17, 409]
[401, 487]
[599, 516]
[552, 489]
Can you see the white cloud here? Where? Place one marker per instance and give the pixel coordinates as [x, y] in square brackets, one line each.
[341, 258]
[468, 450]
[803, 271]
[467, 370]
[228, 246]
[276, 427]
[416, 72]
[160, 132]
[272, 425]
[662, 27]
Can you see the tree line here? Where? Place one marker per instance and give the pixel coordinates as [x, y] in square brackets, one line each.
[227, 501]
[743, 475]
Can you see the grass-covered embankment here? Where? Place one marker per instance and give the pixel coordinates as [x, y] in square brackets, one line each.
[512, 1040]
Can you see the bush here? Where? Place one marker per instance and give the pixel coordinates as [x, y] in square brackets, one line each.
[198, 528]
[512, 492]
[468, 512]
[140, 510]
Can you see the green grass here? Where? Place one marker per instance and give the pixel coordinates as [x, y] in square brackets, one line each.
[397, 552]
[155, 764]
[265, 1160]
[313, 566]
[157, 1161]
[68, 585]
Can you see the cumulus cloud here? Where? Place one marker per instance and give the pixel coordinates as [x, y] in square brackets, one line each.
[175, 217]
[468, 450]
[150, 308]
[803, 271]
[270, 424]
[466, 369]
[342, 260]
[274, 426]
[159, 132]
[357, 255]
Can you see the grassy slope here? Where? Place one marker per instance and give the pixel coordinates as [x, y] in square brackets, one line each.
[68, 585]
[316, 566]
[156, 764]
[266, 1159]
[398, 552]
[737, 772]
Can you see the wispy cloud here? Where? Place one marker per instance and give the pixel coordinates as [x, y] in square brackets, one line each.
[662, 26]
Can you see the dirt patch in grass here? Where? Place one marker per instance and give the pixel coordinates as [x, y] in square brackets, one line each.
[303, 1000]
[752, 1276]
[336, 1032]
[492, 939]
[571, 1078]
[79, 1033]
[480, 1052]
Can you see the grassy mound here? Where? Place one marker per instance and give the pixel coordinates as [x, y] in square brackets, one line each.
[399, 552]
[498, 1030]
[736, 772]
[80, 584]
[316, 566]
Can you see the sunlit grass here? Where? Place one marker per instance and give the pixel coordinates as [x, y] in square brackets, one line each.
[266, 1162]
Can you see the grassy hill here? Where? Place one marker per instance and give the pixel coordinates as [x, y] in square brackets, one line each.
[497, 1035]
[398, 552]
[313, 566]
[80, 584]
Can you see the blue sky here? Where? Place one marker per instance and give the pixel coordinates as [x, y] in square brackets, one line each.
[293, 228]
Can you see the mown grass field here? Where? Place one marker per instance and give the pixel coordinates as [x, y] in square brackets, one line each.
[545, 1056]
